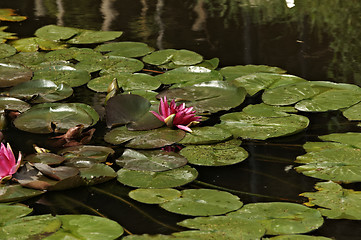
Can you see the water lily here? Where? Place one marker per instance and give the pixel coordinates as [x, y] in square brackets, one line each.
[8, 164]
[176, 115]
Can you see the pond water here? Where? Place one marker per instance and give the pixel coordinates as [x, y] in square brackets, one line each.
[313, 40]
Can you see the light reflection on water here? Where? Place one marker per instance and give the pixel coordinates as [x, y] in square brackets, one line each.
[311, 45]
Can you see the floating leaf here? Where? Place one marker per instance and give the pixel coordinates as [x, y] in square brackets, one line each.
[152, 237]
[125, 49]
[281, 217]
[157, 160]
[6, 50]
[31, 60]
[167, 179]
[222, 227]
[160, 57]
[233, 72]
[243, 125]
[97, 173]
[208, 97]
[220, 154]
[154, 196]
[40, 91]
[203, 202]
[7, 14]
[10, 103]
[16, 193]
[206, 135]
[349, 138]
[11, 212]
[353, 113]
[63, 74]
[335, 201]
[155, 138]
[210, 64]
[45, 158]
[186, 57]
[264, 110]
[79, 54]
[298, 237]
[56, 33]
[32, 44]
[56, 117]
[90, 37]
[13, 74]
[187, 76]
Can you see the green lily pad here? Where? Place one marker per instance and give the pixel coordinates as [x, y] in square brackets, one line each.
[79, 54]
[334, 201]
[243, 125]
[166, 179]
[187, 76]
[15, 193]
[155, 138]
[353, 113]
[125, 49]
[298, 237]
[152, 237]
[160, 57]
[350, 138]
[206, 135]
[233, 72]
[222, 227]
[56, 117]
[125, 108]
[63, 74]
[220, 154]
[186, 57]
[264, 110]
[86, 227]
[208, 97]
[10, 212]
[4, 36]
[85, 155]
[210, 64]
[56, 33]
[155, 161]
[90, 37]
[30, 227]
[6, 50]
[31, 60]
[253, 83]
[337, 164]
[45, 158]
[281, 217]
[97, 173]
[40, 91]
[203, 202]
[33, 44]
[12, 74]
[181, 57]
[154, 196]
[10, 103]
[7, 14]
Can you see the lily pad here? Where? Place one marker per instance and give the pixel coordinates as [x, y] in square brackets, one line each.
[298, 237]
[334, 201]
[206, 135]
[208, 97]
[56, 33]
[90, 36]
[203, 202]
[40, 91]
[160, 57]
[220, 154]
[31, 60]
[281, 217]
[45, 158]
[56, 117]
[12, 74]
[6, 50]
[177, 57]
[264, 110]
[125, 49]
[244, 125]
[166, 179]
[233, 72]
[155, 138]
[97, 173]
[353, 113]
[336, 164]
[16, 193]
[187, 76]
[33, 44]
[157, 160]
[154, 196]
[79, 54]
[86, 227]
[63, 74]
[350, 138]
[10, 103]
[7, 14]
[4, 36]
[223, 227]
[10, 212]
[253, 83]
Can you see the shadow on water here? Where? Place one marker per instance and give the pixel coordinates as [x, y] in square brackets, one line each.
[313, 40]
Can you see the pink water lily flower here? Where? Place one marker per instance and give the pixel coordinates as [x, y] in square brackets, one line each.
[8, 164]
[176, 115]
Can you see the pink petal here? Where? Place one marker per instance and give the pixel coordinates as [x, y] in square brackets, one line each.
[185, 128]
[161, 118]
[16, 167]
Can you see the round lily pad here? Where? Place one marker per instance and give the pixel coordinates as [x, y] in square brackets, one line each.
[31, 60]
[125, 49]
[56, 117]
[12, 74]
[233, 72]
[208, 97]
[63, 74]
[16, 193]
[45, 158]
[349, 138]
[186, 57]
[203, 202]
[55, 33]
[90, 37]
[157, 160]
[166, 179]
[33, 44]
[353, 113]
[206, 135]
[10, 103]
[281, 217]
[97, 173]
[154, 196]
[334, 201]
[299, 237]
[160, 57]
[10, 212]
[6, 50]
[155, 138]
[79, 54]
[220, 154]
[264, 110]
[243, 125]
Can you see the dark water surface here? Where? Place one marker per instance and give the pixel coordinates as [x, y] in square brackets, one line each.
[316, 40]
